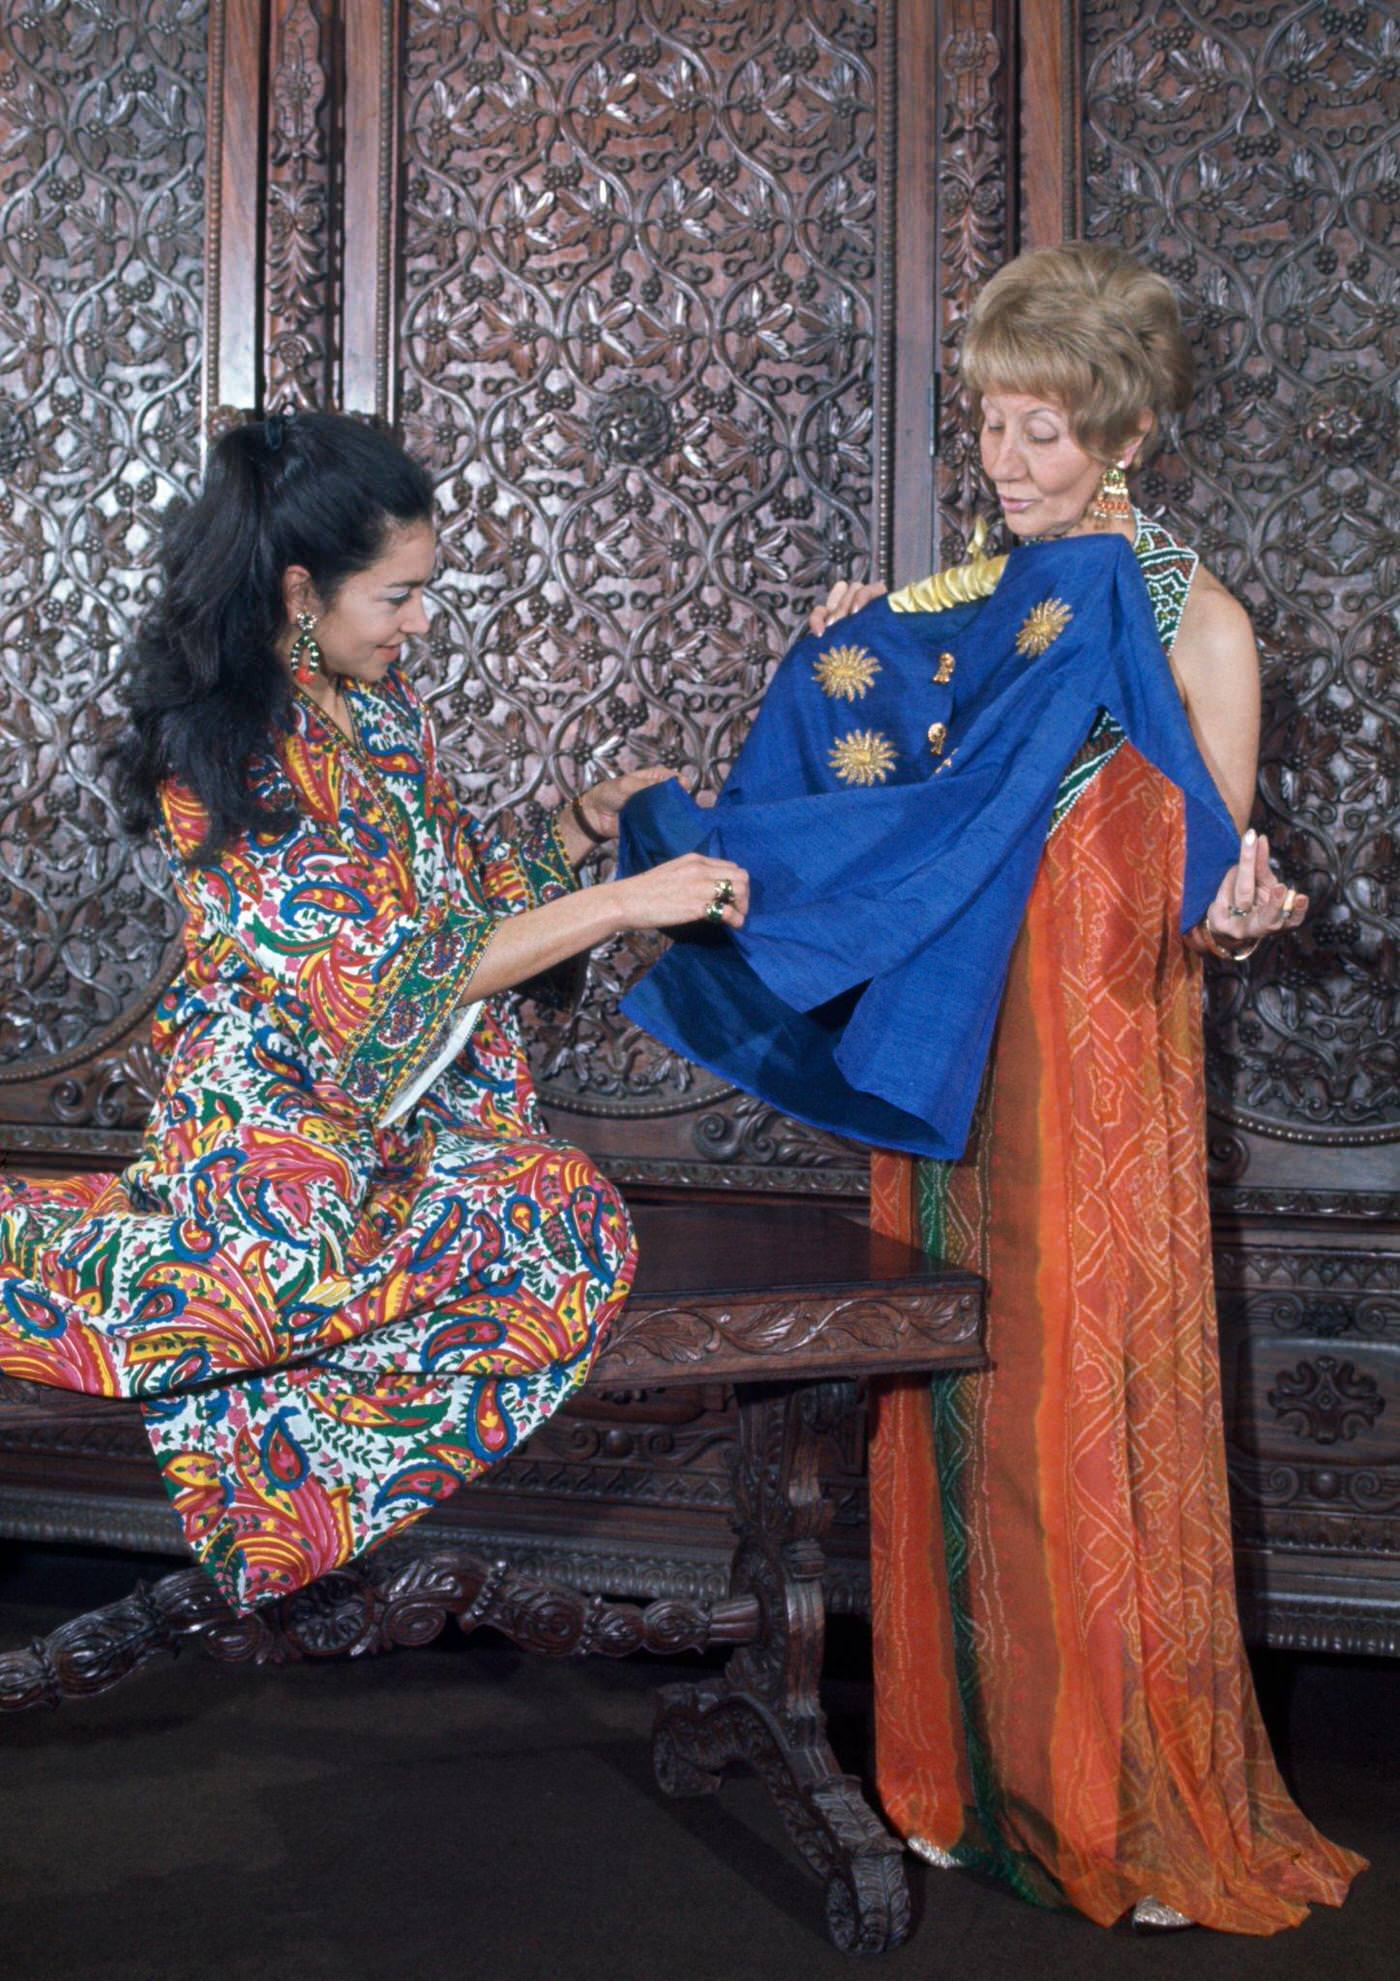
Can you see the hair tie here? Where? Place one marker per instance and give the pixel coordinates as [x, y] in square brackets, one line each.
[275, 428]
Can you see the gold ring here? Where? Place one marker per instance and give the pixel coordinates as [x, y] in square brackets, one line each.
[1289, 901]
[1236, 914]
[723, 895]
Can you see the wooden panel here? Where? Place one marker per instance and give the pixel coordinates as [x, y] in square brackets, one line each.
[101, 305]
[370, 308]
[94, 930]
[233, 269]
[820, 118]
[910, 102]
[1251, 169]
[975, 220]
[299, 219]
[1310, 1323]
[1051, 176]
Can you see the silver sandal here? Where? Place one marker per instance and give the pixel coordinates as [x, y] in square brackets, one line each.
[1150, 1915]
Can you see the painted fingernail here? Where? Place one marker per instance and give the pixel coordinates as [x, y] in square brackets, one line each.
[1250, 836]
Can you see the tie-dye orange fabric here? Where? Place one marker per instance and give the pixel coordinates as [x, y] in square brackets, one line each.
[330, 1320]
[1062, 1692]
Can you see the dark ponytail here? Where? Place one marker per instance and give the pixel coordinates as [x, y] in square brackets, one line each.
[204, 684]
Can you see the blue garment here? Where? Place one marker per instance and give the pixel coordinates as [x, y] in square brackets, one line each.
[863, 989]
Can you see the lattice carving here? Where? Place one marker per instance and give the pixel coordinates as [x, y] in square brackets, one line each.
[101, 235]
[1244, 151]
[640, 245]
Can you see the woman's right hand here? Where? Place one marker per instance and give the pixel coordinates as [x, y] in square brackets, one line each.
[844, 598]
[680, 891]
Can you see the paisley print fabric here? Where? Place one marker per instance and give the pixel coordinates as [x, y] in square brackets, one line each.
[1062, 1695]
[330, 1322]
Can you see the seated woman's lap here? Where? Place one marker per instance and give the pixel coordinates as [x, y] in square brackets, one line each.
[268, 1221]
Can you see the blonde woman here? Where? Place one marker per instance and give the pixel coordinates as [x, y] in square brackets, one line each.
[1062, 1692]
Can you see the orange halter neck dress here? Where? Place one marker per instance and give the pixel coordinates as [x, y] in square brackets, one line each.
[1062, 1694]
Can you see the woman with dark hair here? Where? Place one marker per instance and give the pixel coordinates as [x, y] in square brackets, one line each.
[348, 1269]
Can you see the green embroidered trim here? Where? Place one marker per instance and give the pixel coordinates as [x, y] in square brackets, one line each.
[545, 866]
[1168, 567]
[1100, 744]
[953, 1402]
[414, 1018]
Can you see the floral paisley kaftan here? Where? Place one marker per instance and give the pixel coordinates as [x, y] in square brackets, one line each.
[1062, 1694]
[348, 1269]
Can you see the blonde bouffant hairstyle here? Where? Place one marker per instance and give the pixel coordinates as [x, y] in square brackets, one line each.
[1092, 330]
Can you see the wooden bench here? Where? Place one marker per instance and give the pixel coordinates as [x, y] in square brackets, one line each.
[793, 1305]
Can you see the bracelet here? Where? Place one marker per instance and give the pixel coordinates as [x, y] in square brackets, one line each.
[1217, 948]
[576, 814]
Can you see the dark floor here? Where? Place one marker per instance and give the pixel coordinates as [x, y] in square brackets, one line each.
[464, 1810]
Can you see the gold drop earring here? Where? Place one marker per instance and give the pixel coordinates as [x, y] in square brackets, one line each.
[305, 657]
[1112, 505]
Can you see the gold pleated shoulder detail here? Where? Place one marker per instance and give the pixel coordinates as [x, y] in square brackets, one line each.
[978, 577]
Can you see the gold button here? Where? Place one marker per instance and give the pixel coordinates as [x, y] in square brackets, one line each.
[946, 664]
[937, 737]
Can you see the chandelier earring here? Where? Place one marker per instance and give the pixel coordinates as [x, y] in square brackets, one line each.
[1112, 505]
[305, 657]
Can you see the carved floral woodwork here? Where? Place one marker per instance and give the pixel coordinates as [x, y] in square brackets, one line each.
[631, 275]
[637, 347]
[1247, 153]
[976, 172]
[1325, 1399]
[389, 1602]
[300, 213]
[101, 291]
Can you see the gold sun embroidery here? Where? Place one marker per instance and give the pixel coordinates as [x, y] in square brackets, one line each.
[846, 671]
[862, 757]
[1042, 625]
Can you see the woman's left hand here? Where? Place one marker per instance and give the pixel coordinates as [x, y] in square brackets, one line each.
[1252, 901]
[601, 803]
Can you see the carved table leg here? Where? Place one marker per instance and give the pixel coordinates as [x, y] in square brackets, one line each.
[763, 1712]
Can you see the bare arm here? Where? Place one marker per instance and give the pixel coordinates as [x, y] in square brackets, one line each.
[1216, 665]
[679, 891]
[676, 892]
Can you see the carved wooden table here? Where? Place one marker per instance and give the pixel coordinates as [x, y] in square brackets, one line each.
[791, 1304]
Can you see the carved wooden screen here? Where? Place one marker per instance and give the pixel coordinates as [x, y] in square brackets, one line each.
[101, 288]
[1248, 152]
[640, 342]
[1251, 156]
